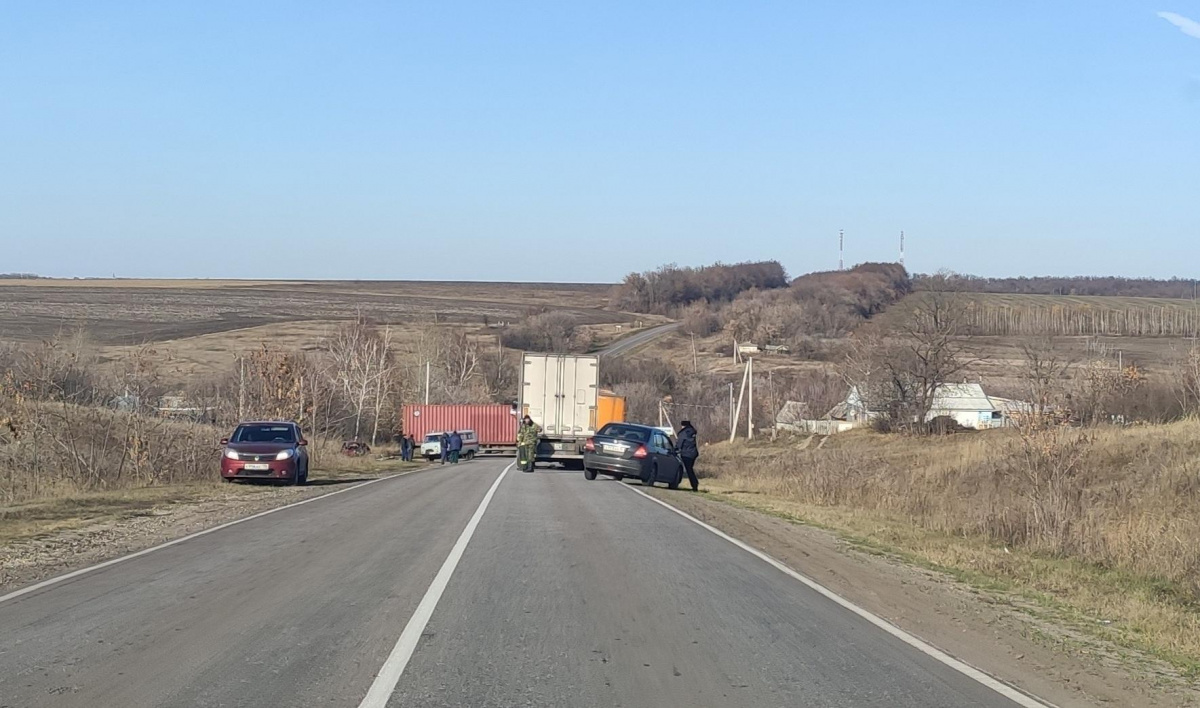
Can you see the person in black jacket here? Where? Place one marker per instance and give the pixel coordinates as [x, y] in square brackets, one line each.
[688, 452]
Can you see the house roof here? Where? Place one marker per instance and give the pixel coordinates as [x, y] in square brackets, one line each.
[961, 397]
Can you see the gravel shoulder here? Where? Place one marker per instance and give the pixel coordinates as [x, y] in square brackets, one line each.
[1002, 634]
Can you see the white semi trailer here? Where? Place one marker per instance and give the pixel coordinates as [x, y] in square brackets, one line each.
[560, 392]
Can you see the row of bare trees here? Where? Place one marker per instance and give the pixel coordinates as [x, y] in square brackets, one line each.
[1183, 288]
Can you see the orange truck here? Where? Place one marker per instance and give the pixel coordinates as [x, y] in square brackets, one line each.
[610, 408]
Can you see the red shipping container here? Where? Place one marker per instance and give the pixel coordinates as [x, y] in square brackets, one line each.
[494, 424]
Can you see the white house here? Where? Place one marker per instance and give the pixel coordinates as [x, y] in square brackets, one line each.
[967, 404]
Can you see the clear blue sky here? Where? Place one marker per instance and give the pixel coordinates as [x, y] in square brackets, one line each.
[572, 142]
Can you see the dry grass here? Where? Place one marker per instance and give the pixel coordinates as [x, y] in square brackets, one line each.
[1122, 560]
[67, 510]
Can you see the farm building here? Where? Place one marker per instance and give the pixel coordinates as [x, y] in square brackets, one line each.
[967, 403]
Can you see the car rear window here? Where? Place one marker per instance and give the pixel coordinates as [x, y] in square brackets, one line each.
[433, 437]
[625, 432]
[264, 434]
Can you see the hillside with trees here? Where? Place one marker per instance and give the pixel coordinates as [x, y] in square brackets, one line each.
[670, 287]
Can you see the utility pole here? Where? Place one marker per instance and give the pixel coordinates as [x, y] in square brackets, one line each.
[241, 387]
[427, 367]
[730, 405]
[750, 408]
[737, 414]
[771, 404]
[695, 359]
[841, 250]
[901, 249]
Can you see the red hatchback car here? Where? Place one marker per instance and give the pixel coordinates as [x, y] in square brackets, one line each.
[266, 451]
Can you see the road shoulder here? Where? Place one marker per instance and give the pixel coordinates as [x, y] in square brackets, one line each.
[46, 539]
[984, 627]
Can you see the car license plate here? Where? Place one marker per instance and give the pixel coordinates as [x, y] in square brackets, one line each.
[614, 449]
[257, 467]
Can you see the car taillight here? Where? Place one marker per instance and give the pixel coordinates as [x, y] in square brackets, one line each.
[590, 445]
[640, 452]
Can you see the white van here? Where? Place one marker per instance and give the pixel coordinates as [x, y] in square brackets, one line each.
[431, 448]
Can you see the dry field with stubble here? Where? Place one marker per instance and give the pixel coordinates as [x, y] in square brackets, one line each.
[134, 312]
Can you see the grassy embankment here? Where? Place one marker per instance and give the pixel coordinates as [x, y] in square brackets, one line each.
[64, 504]
[1096, 529]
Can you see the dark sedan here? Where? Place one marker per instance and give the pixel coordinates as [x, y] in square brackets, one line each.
[267, 451]
[630, 450]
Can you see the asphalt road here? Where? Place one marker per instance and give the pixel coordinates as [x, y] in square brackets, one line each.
[557, 592]
[628, 344]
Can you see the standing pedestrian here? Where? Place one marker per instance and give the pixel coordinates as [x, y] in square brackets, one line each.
[412, 448]
[527, 441]
[444, 447]
[455, 447]
[405, 448]
[688, 452]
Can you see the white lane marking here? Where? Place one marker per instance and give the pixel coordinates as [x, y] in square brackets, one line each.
[1020, 698]
[121, 559]
[389, 675]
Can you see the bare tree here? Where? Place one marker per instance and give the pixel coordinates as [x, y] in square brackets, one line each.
[384, 380]
[933, 349]
[1186, 378]
[1044, 373]
[359, 360]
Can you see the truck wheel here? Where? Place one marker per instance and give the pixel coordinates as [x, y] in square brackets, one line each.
[589, 474]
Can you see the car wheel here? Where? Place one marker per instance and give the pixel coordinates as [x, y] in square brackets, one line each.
[470, 454]
[303, 480]
[589, 473]
[649, 475]
[674, 483]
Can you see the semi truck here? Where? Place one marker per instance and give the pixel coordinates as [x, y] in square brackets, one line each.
[561, 394]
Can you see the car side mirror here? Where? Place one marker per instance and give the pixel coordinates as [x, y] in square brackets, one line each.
[303, 442]
[224, 441]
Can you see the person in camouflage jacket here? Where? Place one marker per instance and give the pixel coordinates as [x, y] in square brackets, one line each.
[527, 441]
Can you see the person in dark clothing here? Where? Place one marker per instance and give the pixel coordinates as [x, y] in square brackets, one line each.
[688, 452]
[405, 448]
[444, 447]
[455, 447]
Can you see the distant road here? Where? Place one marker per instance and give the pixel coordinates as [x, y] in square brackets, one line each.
[470, 585]
[628, 344]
